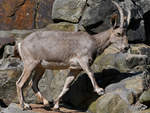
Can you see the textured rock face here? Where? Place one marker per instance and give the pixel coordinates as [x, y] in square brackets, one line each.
[25, 14]
[97, 13]
[43, 13]
[123, 76]
[13, 108]
[68, 10]
[17, 14]
[94, 15]
[112, 103]
[145, 97]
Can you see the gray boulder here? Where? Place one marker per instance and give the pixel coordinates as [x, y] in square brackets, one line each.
[14, 108]
[145, 97]
[68, 10]
[43, 14]
[96, 17]
[110, 103]
[97, 13]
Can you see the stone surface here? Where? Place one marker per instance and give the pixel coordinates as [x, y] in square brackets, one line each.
[68, 10]
[7, 85]
[136, 32]
[144, 4]
[145, 97]
[17, 14]
[111, 103]
[110, 58]
[13, 108]
[36, 108]
[25, 14]
[97, 13]
[141, 49]
[146, 111]
[43, 13]
[63, 26]
[96, 18]
[123, 76]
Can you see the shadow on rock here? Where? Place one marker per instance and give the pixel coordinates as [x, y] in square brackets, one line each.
[2, 104]
[81, 93]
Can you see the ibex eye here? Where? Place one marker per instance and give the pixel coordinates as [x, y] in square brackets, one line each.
[119, 34]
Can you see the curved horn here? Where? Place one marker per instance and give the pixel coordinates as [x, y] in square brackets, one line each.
[121, 14]
[129, 17]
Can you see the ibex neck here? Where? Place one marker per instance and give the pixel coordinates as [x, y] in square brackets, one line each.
[102, 40]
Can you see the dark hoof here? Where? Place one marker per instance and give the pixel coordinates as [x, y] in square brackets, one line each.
[26, 107]
[56, 109]
[47, 107]
[101, 93]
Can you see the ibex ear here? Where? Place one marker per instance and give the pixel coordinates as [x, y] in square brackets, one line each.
[114, 20]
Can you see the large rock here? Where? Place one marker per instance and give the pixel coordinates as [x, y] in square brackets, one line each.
[14, 108]
[136, 32]
[25, 14]
[127, 90]
[96, 18]
[7, 85]
[43, 13]
[144, 5]
[110, 103]
[68, 10]
[147, 24]
[145, 97]
[110, 58]
[17, 14]
[96, 13]
[141, 49]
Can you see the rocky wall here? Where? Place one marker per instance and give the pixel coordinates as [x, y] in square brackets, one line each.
[94, 16]
[125, 77]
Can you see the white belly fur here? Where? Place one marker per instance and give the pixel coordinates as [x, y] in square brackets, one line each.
[73, 64]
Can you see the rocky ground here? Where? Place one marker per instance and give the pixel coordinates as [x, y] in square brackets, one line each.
[124, 76]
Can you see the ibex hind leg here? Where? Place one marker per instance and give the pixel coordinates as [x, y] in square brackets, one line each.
[20, 84]
[83, 61]
[39, 71]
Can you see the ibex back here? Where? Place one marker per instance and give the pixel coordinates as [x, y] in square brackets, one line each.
[65, 50]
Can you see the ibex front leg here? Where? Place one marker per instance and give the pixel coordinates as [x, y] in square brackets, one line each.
[71, 76]
[84, 63]
[20, 84]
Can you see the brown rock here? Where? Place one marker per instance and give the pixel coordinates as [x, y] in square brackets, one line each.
[17, 14]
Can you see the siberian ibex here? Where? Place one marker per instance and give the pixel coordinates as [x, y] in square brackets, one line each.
[65, 50]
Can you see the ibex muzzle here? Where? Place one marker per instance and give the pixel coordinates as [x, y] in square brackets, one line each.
[64, 50]
[119, 40]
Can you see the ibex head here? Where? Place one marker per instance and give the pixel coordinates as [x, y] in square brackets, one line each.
[118, 35]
